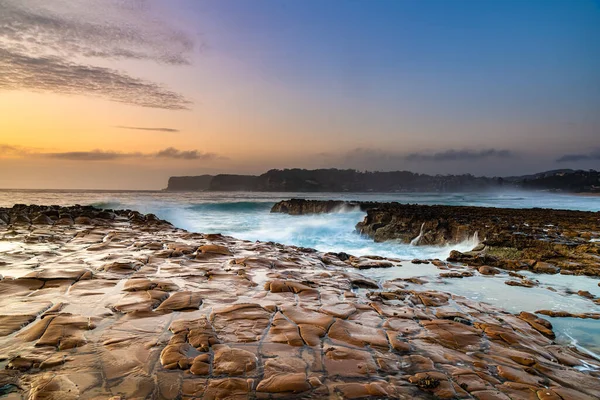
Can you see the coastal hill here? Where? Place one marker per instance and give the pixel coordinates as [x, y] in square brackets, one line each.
[349, 180]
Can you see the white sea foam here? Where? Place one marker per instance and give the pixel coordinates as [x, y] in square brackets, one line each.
[416, 241]
[584, 365]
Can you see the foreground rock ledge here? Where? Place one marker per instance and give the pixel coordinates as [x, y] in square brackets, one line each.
[116, 304]
[541, 240]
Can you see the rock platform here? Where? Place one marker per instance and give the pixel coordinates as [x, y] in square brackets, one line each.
[102, 304]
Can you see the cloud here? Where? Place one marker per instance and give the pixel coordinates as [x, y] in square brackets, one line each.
[107, 155]
[138, 128]
[171, 152]
[56, 47]
[53, 74]
[366, 153]
[379, 155]
[593, 156]
[95, 155]
[449, 161]
[111, 29]
[9, 150]
[460, 155]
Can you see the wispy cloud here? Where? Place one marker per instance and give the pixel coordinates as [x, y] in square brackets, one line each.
[55, 46]
[139, 128]
[171, 152]
[441, 161]
[460, 155]
[112, 29]
[94, 155]
[9, 150]
[108, 155]
[449, 155]
[53, 74]
[594, 155]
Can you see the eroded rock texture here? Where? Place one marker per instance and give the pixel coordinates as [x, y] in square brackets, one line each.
[124, 306]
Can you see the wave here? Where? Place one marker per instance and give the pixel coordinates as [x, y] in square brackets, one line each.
[584, 366]
[110, 205]
[238, 206]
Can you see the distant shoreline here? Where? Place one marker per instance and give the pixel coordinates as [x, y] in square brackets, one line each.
[512, 190]
[353, 181]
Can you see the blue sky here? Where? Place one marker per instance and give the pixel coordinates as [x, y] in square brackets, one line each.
[492, 56]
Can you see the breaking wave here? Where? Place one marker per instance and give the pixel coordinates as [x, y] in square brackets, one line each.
[237, 207]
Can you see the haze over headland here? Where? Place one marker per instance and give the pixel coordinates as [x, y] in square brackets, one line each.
[124, 94]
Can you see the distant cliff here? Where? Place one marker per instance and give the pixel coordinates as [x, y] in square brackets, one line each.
[189, 183]
[234, 183]
[336, 180]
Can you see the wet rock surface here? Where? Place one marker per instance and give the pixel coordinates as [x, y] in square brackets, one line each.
[119, 305]
[539, 240]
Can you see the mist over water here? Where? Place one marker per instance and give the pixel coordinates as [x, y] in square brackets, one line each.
[324, 232]
[247, 216]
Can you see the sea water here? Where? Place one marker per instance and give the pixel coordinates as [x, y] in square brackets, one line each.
[247, 216]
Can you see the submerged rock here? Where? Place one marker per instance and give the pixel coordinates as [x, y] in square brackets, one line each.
[523, 283]
[487, 270]
[565, 314]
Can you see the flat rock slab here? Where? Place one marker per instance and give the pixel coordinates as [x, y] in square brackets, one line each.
[181, 301]
[13, 323]
[141, 301]
[233, 361]
[63, 331]
[349, 333]
[241, 322]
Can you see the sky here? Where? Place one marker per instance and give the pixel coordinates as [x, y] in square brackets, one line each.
[122, 94]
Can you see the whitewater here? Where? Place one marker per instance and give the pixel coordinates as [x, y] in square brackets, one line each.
[246, 215]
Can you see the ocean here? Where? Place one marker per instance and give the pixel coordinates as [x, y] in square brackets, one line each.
[246, 215]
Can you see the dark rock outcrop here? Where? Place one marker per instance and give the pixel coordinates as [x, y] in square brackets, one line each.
[302, 207]
[500, 227]
[21, 214]
[540, 240]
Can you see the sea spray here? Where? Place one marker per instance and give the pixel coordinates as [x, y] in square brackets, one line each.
[347, 208]
[417, 240]
[473, 241]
